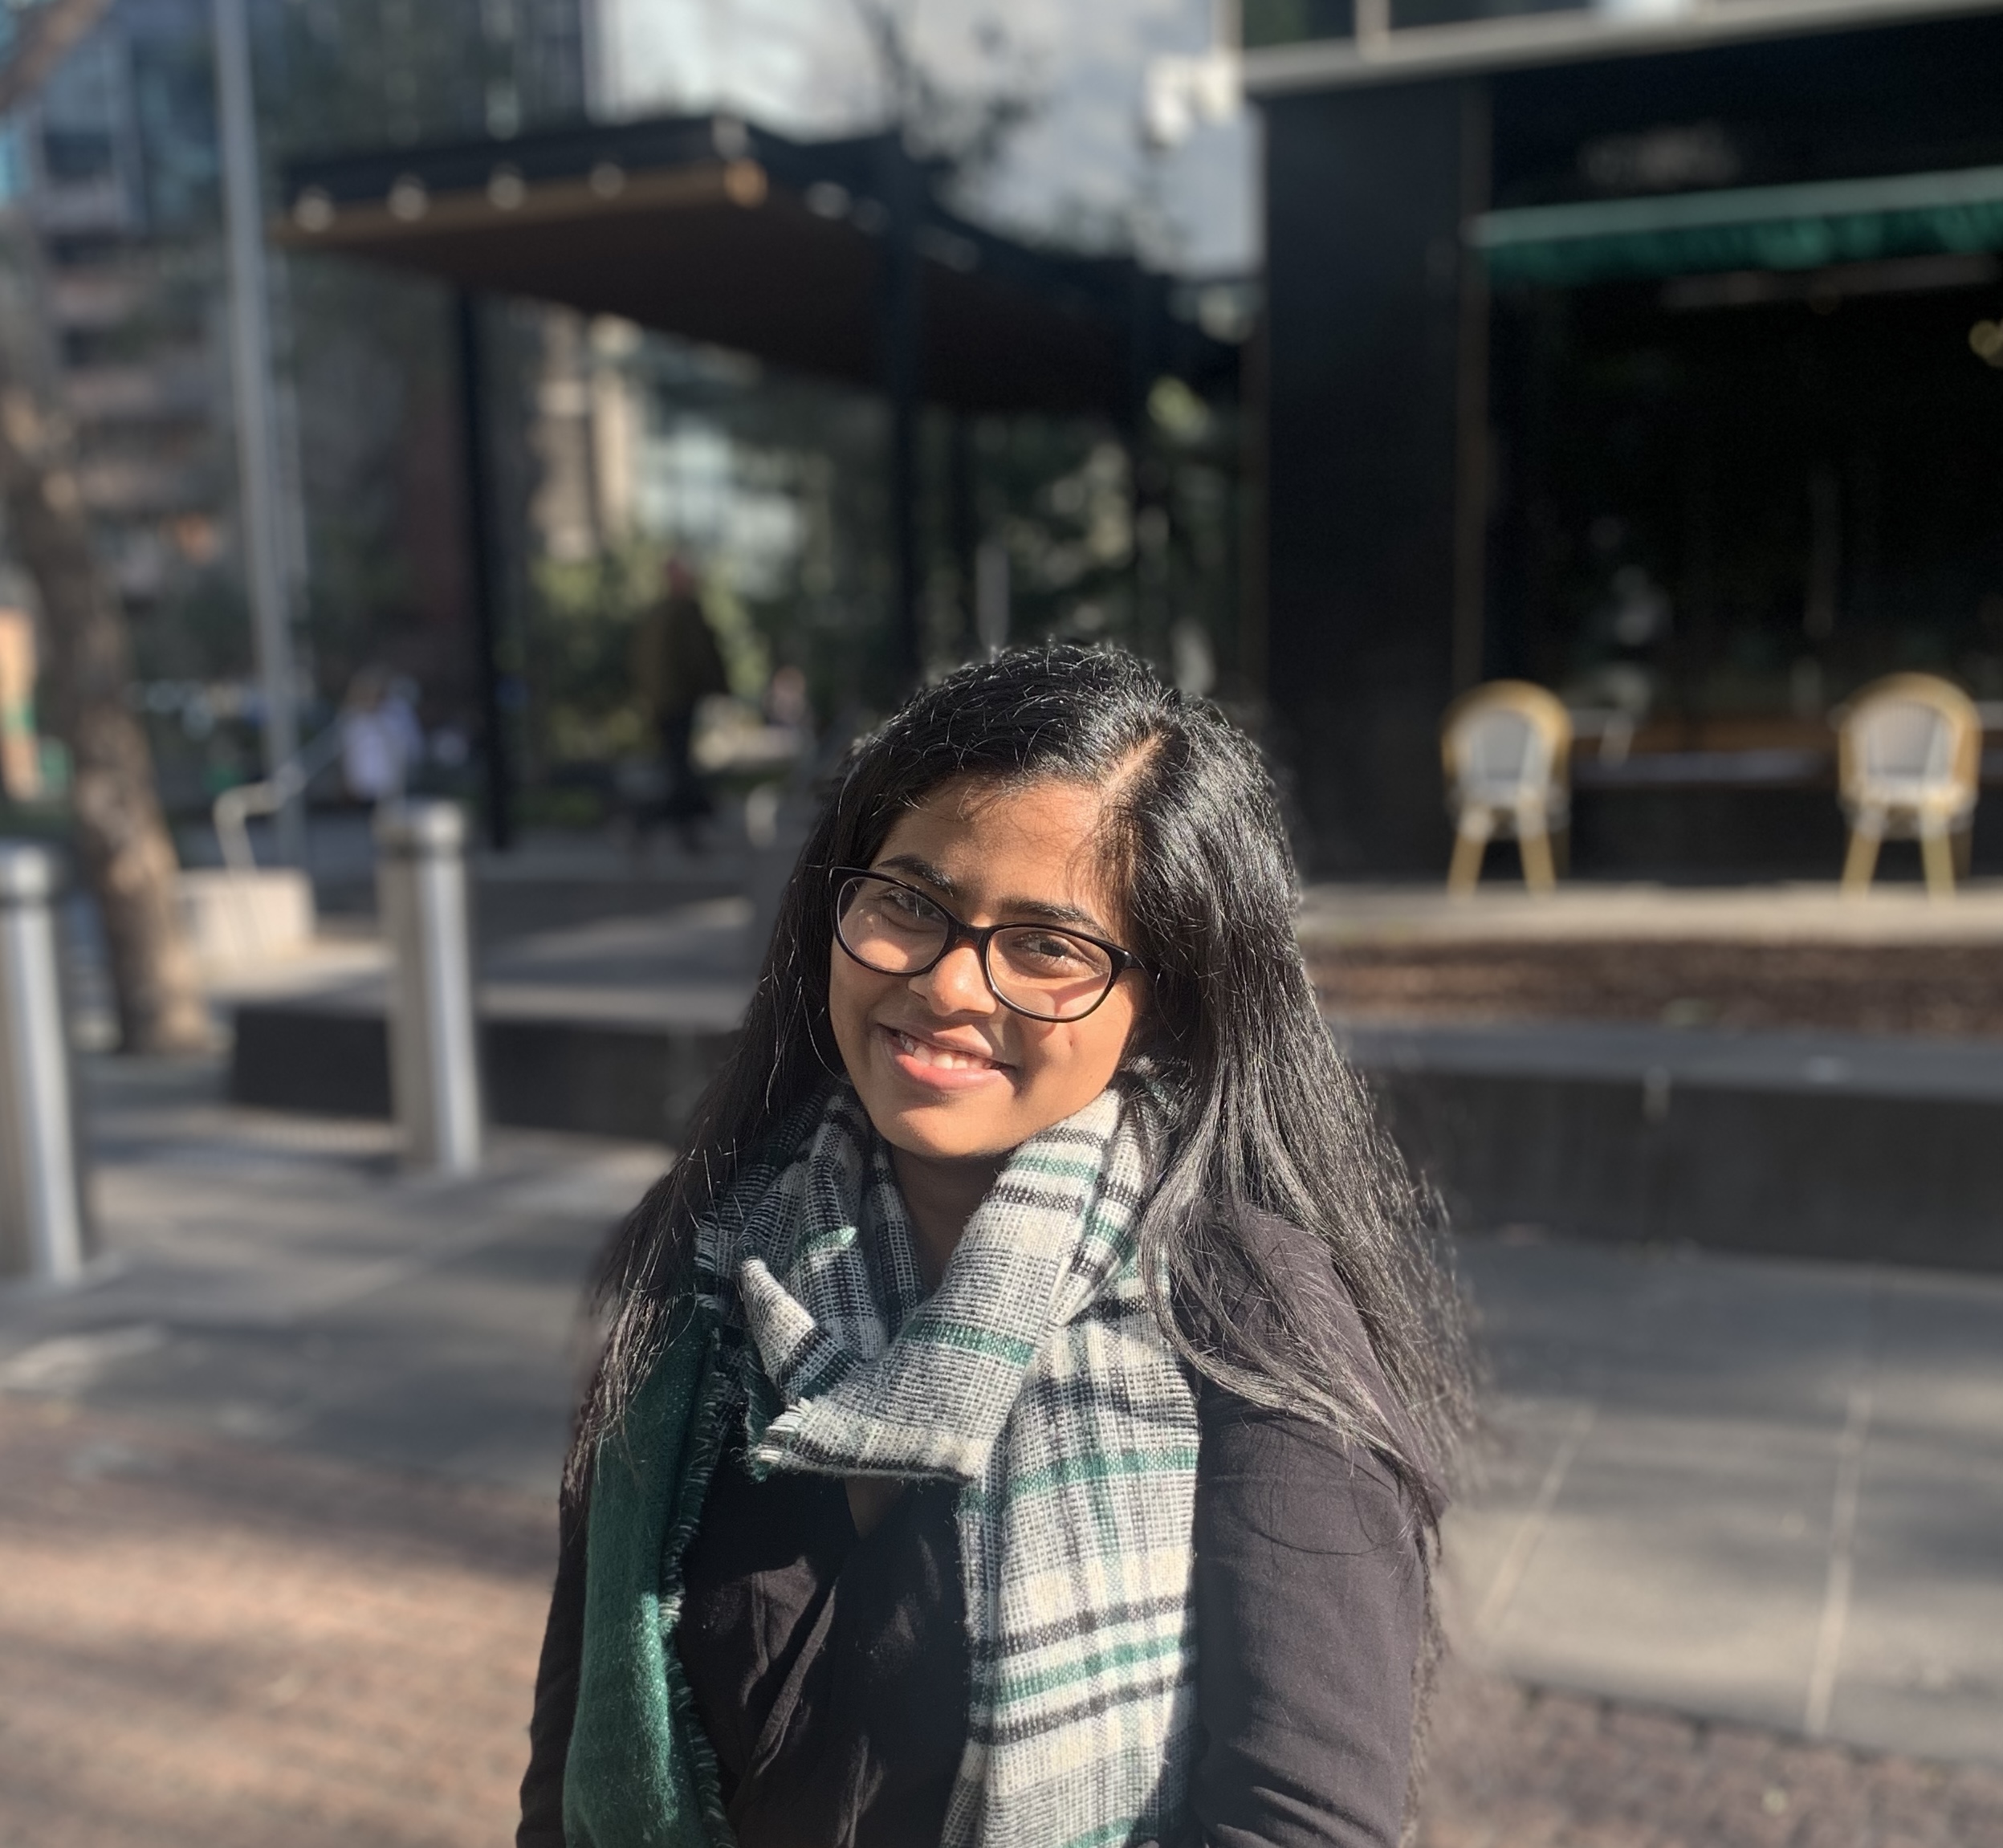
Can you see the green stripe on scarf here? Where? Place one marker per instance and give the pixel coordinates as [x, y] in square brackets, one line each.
[641, 1772]
[1035, 1376]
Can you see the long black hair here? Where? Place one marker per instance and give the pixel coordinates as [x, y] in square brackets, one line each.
[1269, 1118]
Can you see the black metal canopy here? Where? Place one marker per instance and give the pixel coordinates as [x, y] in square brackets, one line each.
[832, 257]
[710, 229]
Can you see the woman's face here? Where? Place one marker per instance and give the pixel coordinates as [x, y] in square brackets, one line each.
[945, 1071]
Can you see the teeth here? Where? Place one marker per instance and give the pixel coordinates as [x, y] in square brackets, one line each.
[930, 1055]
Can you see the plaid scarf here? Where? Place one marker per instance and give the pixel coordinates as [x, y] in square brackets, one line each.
[1038, 1378]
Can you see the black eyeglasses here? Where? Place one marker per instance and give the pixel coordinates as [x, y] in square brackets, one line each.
[1039, 970]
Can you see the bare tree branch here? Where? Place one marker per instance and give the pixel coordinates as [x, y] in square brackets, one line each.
[961, 131]
[42, 35]
[123, 847]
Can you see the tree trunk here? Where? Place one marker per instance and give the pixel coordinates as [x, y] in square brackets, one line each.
[125, 853]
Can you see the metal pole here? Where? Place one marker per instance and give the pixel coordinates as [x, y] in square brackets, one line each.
[41, 1192]
[434, 1069]
[901, 335]
[965, 521]
[257, 484]
[990, 594]
[481, 574]
[1471, 405]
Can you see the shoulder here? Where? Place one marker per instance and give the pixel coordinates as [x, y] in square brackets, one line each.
[1288, 1277]
[1301, 1257]
[1291, 1299]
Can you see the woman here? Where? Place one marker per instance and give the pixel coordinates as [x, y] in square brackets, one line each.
[1020, 1416]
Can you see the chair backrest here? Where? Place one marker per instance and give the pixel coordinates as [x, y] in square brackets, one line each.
[1905, 739]
[1501, 750]
[1910, 731]
[1504, 742]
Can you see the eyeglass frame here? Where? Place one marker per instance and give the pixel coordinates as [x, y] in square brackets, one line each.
[959, 931]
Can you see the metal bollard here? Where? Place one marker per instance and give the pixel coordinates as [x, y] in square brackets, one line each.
[434, 1066]
[41, 1191]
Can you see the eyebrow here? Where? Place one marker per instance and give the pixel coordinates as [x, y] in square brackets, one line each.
[1044, 910]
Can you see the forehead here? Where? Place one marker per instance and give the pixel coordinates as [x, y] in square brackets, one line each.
[1043, 840]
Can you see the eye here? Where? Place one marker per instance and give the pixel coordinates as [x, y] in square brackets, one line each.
[907, 907]
[1051, 952]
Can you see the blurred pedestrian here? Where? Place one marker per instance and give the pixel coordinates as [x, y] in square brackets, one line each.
[676, 666]
[381, 742]
[1025, 1400]
[786, 705]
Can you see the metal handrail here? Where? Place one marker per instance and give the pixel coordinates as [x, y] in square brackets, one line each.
[234, 807]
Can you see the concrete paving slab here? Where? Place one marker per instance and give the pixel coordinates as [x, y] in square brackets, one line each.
[1771, 1491]
[1929, 1541]
[279, 1279]
[1928, 1578]
[1677, 1565]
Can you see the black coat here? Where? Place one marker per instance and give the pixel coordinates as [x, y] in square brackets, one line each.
[830, 1670]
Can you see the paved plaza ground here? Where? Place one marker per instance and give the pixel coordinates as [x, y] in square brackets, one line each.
[276, 1525]
[208, 1644]
[1754, 1489]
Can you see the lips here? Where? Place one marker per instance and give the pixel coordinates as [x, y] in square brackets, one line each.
[937, 1056]
[936, 1068]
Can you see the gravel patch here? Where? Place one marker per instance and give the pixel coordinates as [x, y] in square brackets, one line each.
[1954, 990]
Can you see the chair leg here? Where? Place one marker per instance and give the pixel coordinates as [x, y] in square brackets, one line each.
[1963, 839]
[1938, 860]
[1861, 861]
[1465, 871]
[1471, 845]
[1536, 847]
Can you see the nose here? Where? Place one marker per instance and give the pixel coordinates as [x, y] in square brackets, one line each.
[955, 985]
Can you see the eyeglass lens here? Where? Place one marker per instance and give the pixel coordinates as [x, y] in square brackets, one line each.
[1043, 971]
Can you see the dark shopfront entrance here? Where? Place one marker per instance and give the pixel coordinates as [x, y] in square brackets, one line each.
[1724, 502]
[1705, 489]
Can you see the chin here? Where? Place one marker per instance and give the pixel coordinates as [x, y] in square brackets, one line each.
[934, 1134]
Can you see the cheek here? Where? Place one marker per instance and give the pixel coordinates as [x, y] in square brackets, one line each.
[850, 992]
[1084, 1058]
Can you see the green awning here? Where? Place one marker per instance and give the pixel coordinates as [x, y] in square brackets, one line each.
[1802, 227]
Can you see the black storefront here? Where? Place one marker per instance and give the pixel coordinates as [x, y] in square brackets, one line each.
[1660, 364]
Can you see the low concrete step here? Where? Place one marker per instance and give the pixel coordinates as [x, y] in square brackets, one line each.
[639, 1080]
[1830, 1145]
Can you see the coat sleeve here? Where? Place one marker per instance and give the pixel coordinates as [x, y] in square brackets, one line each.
[556, 1676]
[1310, 1609]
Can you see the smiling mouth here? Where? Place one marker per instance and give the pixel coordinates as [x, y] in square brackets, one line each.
[943, 1058]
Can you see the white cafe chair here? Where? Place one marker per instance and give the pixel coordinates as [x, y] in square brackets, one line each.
[1909, 761]
[1506, 748]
